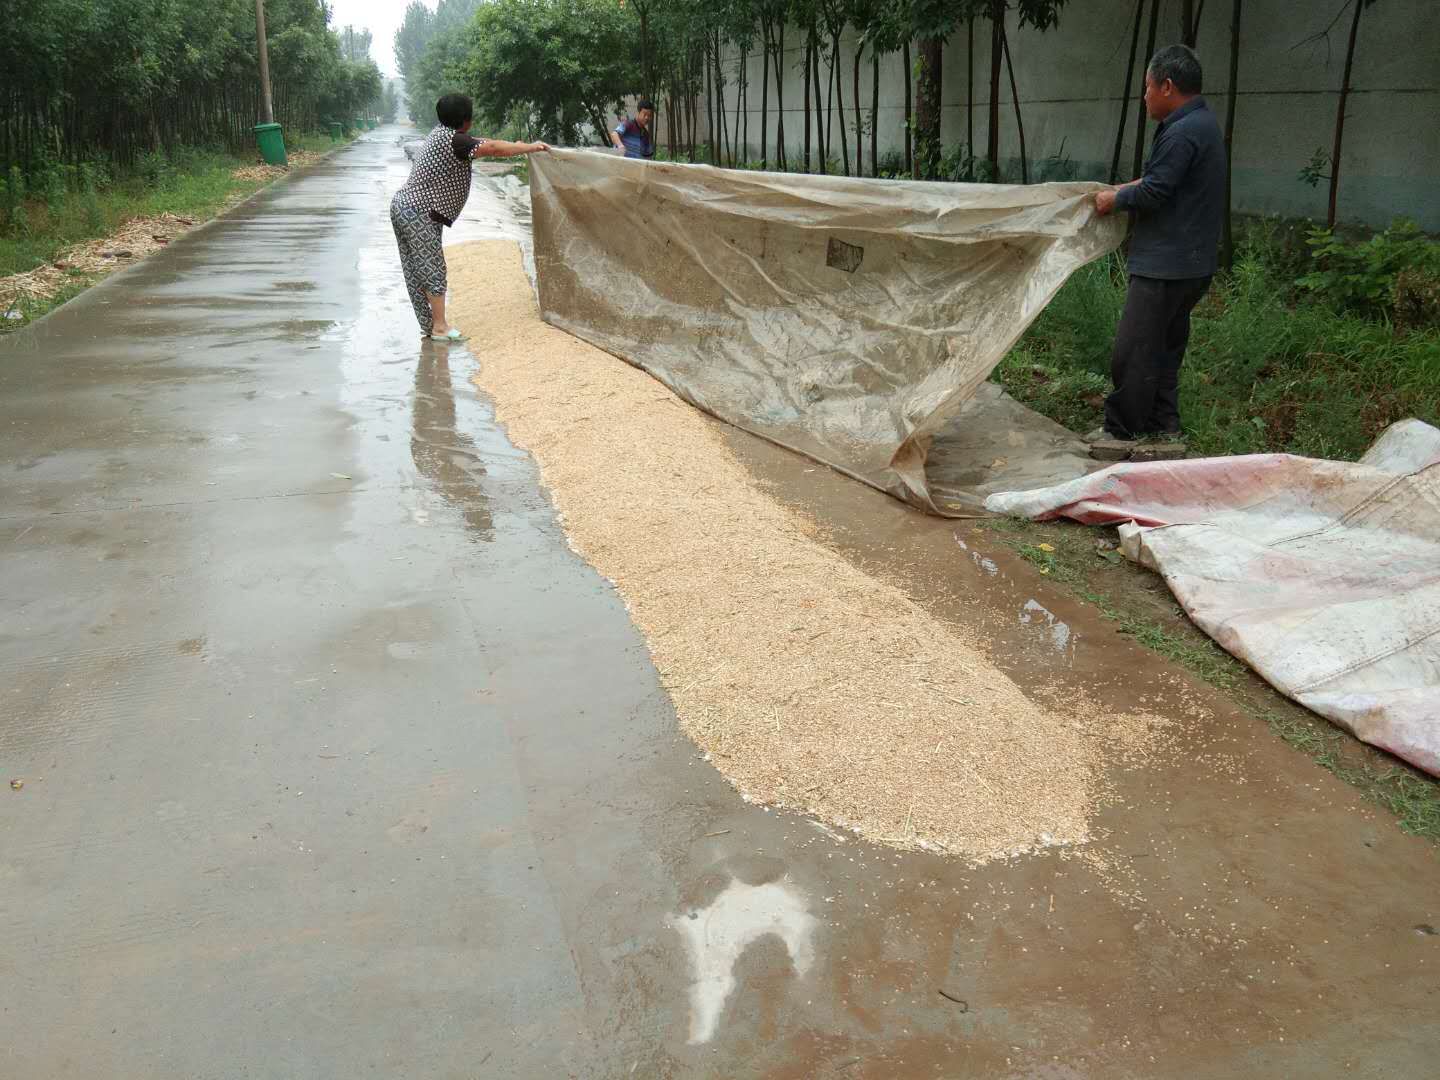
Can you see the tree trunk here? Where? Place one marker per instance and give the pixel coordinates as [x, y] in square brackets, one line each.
[840, 102]
[1141, 118]
[710, 80]
[1227, 238]
[645, 49]
[1125, 96]
[1340, 114]
[1015, 98]
[809, 56]
[997, 35]
[970, 91]
[670, 115]
[909, 115]
[927, 109]
[874, 113]
[822, 148]
[267, 112]
[724, 133]
[765, 94]
[696, 132]
[737, 147]
[781, 162]
[745, 112]
[859, 122]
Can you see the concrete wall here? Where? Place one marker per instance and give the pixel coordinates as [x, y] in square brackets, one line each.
[1070, 82]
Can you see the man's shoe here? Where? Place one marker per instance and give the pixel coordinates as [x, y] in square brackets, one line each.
[1160, 446]
[1111, 448]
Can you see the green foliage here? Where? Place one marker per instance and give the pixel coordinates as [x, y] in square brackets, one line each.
[1264, 371]
[118, 80]
[566, 63]
[1313, 171]
[891, 166]
[198, 185]
[13, 191]
[429, 46]
[960, 166]
[1361, 277]
[1056, 168]
[1417, 298]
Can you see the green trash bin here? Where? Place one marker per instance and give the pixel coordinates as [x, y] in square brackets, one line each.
[359, 123]
[272, 144]
[373, 123]
[337, 130]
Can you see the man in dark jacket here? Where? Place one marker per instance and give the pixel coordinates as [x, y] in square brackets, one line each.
[1177, 207]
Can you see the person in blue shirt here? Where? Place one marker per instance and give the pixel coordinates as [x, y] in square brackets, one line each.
[1177, 207]
[633, 136]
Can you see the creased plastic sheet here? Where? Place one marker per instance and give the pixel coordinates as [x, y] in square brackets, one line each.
[847, 319]
[1324, 576]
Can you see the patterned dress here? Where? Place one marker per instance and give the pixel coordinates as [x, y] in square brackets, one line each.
[432, 198]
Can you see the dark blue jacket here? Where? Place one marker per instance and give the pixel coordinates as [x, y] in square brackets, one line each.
[1179, 203]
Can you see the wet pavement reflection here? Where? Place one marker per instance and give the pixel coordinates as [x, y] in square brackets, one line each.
[443, 454]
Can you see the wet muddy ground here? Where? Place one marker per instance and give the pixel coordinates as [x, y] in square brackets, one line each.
[338, 761]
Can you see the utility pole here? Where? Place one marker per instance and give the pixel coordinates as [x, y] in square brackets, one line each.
[267, 132]
[267, 111]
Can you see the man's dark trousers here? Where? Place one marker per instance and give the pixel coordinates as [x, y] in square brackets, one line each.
[1149, 346]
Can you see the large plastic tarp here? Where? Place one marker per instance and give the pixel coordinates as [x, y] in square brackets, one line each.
[1324, 576]
[846, 319]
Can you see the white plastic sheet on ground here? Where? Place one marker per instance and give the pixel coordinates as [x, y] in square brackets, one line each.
[847, 319]
[1324, 576]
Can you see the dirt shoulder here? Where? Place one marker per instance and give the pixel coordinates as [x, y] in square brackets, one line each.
[1138, 604]
[27, 296]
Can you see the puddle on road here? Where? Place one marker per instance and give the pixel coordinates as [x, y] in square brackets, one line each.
[717, 935]
[979, 558]
[1035, 615]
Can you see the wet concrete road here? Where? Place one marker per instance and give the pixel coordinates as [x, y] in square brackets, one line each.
[339, 763]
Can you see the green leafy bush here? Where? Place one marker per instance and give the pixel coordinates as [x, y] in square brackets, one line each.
[1265, 371]
[1417, 299]
[12, 201]
[1361, 277]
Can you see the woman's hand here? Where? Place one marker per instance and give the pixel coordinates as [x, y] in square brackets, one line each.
[538, 148]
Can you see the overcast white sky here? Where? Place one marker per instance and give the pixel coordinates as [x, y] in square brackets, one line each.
[381, 17]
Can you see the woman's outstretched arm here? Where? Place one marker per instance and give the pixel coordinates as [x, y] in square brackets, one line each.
[501, 148]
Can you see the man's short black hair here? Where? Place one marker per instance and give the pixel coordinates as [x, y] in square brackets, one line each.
[645, 103]
[453, 110]
[1180, 65]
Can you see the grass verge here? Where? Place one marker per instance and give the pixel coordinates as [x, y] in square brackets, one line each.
[1266, 370]
[1085, 561]
[193, 184]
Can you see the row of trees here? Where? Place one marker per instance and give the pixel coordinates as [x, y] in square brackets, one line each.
[108, 80]
[565, 63]
[557, 67]
[428, 45]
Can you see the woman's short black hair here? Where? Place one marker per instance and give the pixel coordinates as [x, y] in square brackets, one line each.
[453, 110]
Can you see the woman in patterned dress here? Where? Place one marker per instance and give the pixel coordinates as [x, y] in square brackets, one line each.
[432, 198]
